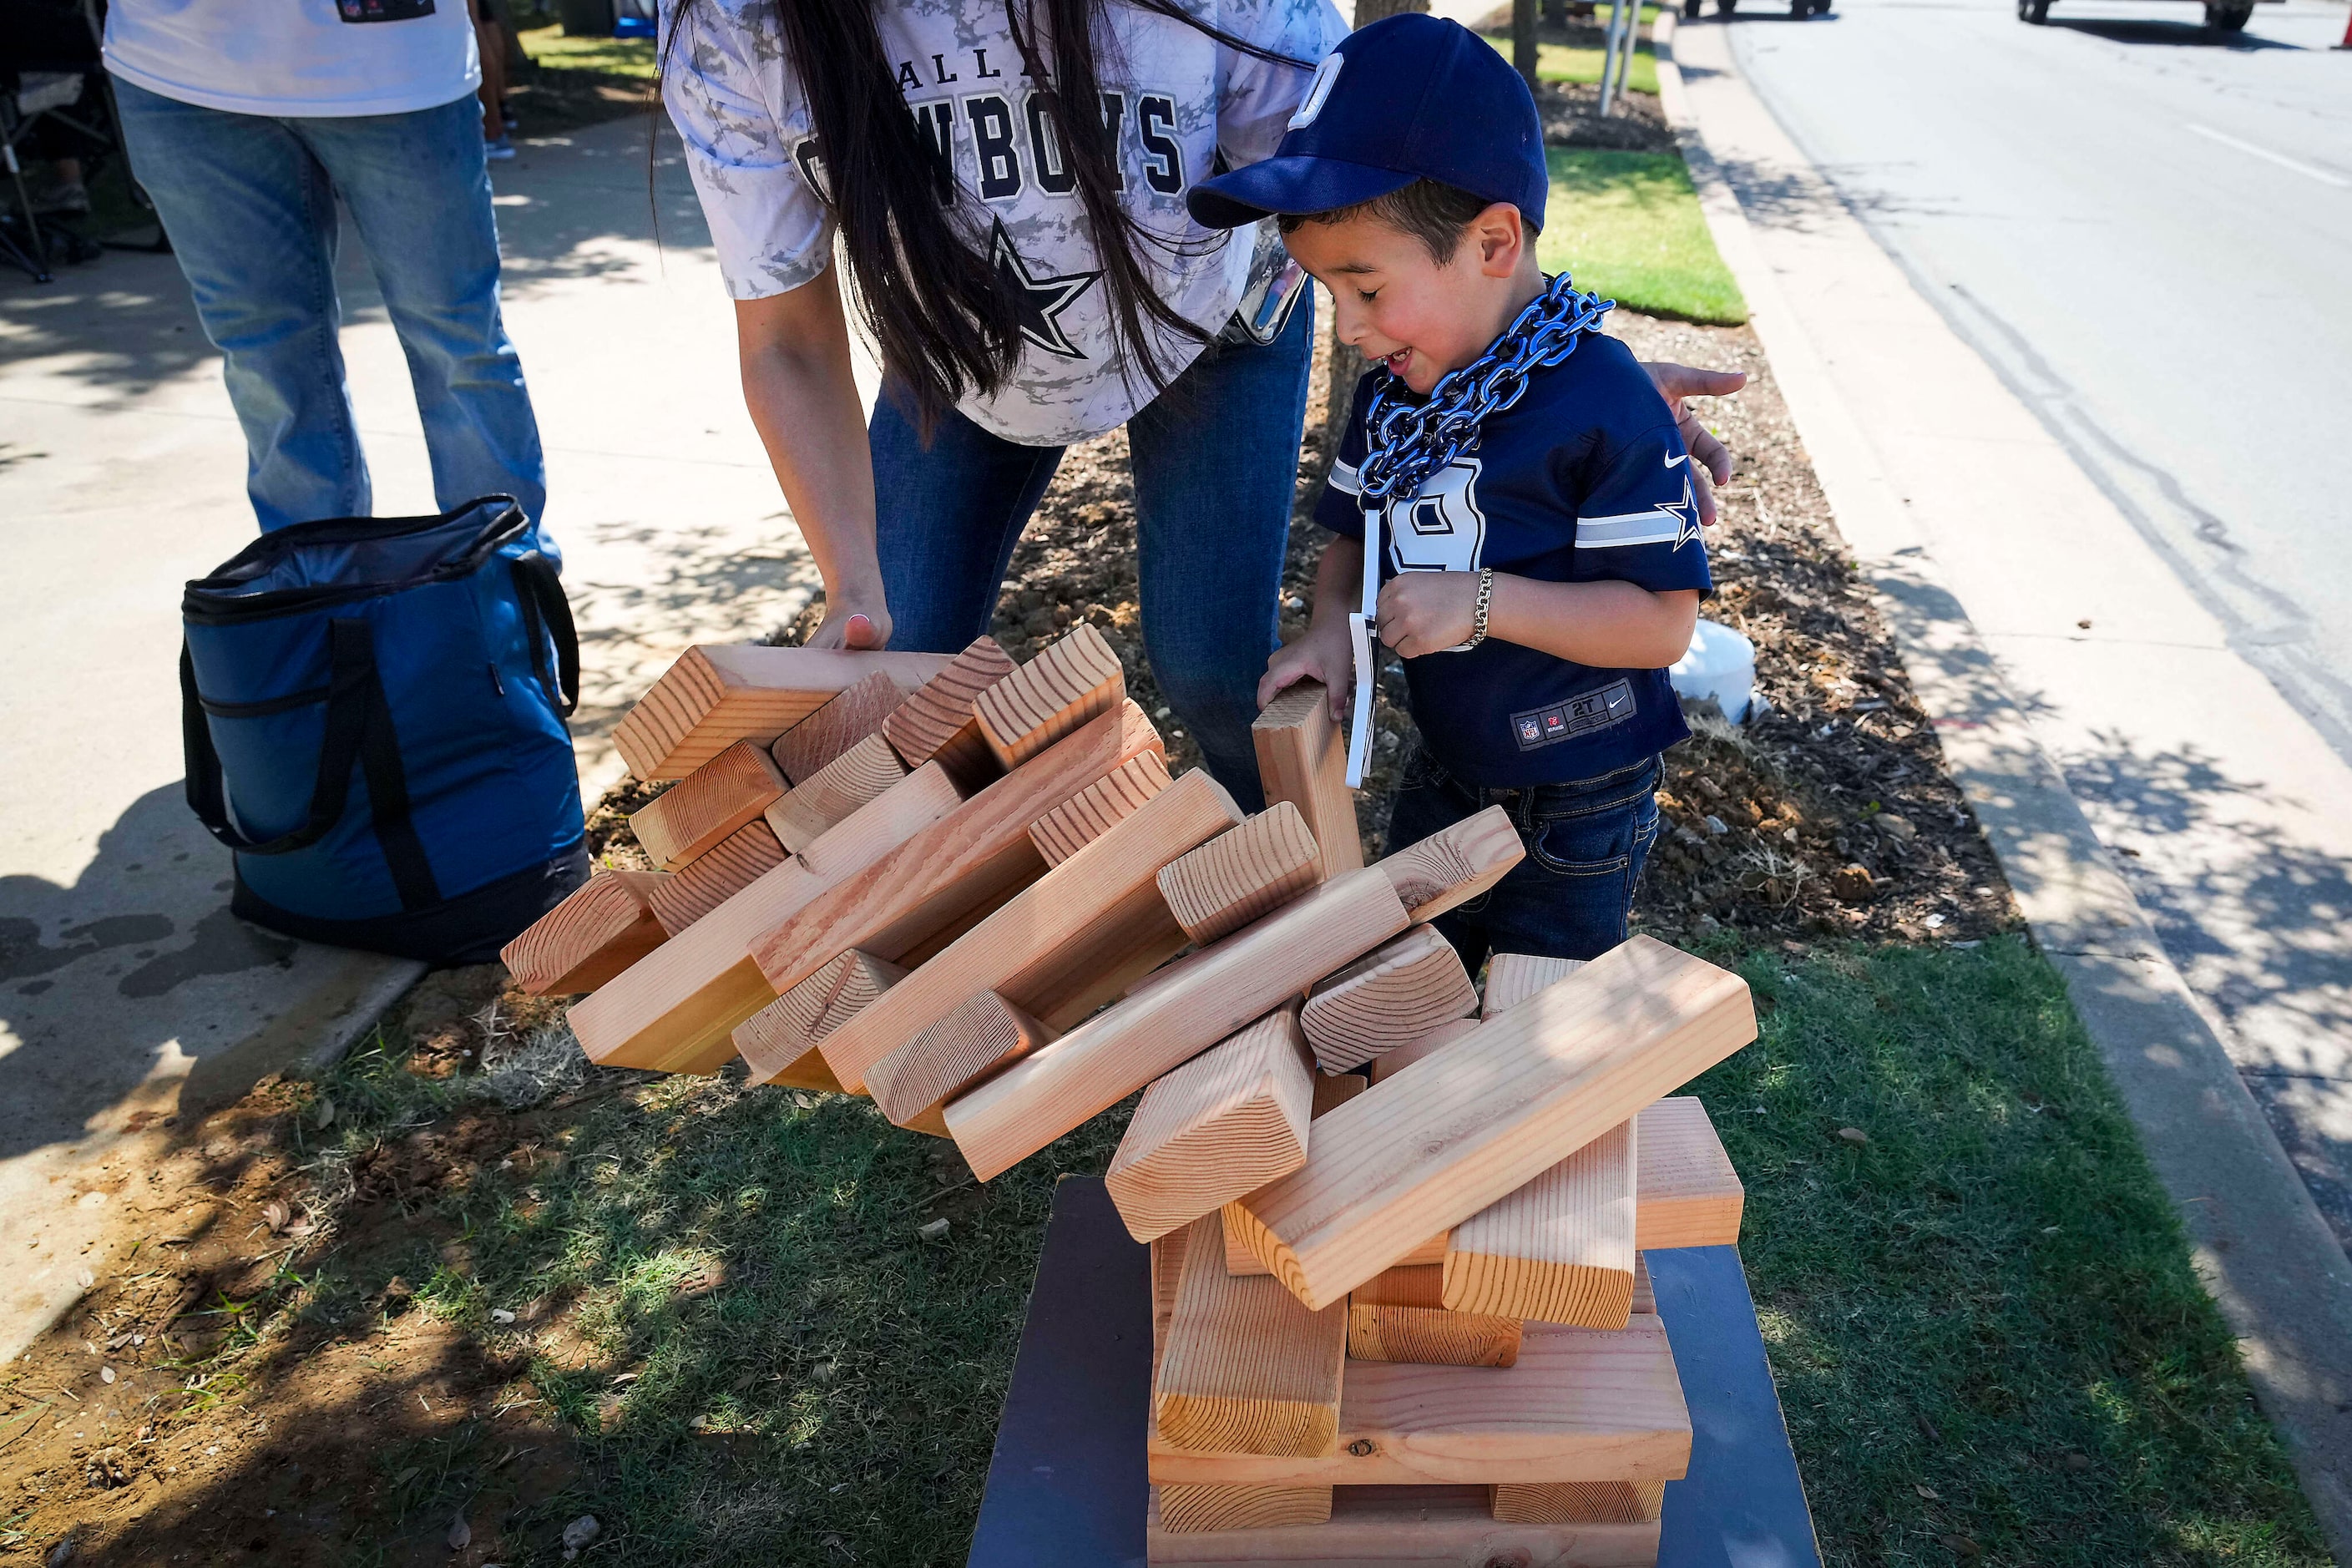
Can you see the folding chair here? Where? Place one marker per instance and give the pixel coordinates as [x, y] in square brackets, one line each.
[53, 85]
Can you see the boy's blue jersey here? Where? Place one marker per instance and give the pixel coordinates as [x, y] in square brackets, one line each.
[1584, 479]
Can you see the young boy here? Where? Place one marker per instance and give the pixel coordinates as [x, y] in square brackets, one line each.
[1539, 568]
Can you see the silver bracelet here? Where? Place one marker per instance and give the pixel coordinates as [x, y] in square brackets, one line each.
[1485, 603]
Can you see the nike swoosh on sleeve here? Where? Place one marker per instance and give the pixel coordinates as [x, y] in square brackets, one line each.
[1678, 462]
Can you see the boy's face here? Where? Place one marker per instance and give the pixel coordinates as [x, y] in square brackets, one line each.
[1398, 303]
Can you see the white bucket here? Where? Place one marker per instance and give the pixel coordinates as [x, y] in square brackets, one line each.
[1720, 664]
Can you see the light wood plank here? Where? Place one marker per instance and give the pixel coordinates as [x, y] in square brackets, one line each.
[1246, 1369]
[1095, 810]
[937, 721]
[1243, 875]
[1455, 866]
[715, 875]
[1430, 1336]
[695, 814]
[1226, 1123]
[674, 1009]
[1560, 1249]
[1394, 994]
[1513, 977]
[810, 745]
[1581, 1404]
[1072, 940]
[953, 872]
[1579, 1502]
[779, 1043]
[720, 693]
[830, 794]
[1388, 1064]
[985, 1034]
[1407, 1527]
[1302, 758]
[1072, 679]
[1329, 1091]
[1440, 1141]
[1173, 1017]
[1686, 1192]
[1190, 1510]
[604, 926]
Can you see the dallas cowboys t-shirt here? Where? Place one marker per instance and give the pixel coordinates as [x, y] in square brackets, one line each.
[1173, 98]
[1584, 479]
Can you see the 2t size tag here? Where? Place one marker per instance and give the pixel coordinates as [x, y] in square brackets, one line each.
[383, 10]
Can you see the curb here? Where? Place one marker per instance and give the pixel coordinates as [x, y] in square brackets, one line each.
[2257, 1238]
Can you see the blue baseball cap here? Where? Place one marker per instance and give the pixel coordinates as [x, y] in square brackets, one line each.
[1412, 97]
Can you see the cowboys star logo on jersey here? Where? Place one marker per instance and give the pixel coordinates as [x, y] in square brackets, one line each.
[1442, 529]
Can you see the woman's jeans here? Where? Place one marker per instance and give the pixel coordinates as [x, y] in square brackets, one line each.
[249, 204]
[1216, 465]
[1586, 844]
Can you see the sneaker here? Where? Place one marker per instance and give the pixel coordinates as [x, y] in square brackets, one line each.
[499, 151]
[60, 197]
[507, 117]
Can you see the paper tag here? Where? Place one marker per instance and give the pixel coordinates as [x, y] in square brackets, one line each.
[1360, 738]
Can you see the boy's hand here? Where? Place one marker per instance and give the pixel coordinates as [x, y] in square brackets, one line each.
[1325, 653]
[1423, 611]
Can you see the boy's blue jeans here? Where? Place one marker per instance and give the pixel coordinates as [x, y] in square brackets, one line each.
[1586, 841]
[249, 203]
[1216, 463]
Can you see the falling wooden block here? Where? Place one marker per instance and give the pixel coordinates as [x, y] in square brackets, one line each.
[1578, 1502]
[1328, 1091]
[1096, 809]
[720, 693]
[1246, 1369]
[954, 871]
[1302, 758]
[694, 814]
[1240, 876]
[674, 1009]
[1226, 1123]
[1400, 1314]
[1404, 1527]
[830, 794]
[1187, 1509]
[1513, 977]
[1393, 996]
[1429, 1147]
[715, 876]
[1072, 940]
[1686, 1192]
[1073, 679]
[779, 1042]
[1579, 1405]
[983, 1034]
[810, 745]
[1559, 1249]
[1388, 1064]
[1174, 1014]
[1457, 864]
[601, 929]
[938, 722]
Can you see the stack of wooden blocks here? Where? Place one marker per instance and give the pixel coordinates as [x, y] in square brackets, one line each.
[972, 890]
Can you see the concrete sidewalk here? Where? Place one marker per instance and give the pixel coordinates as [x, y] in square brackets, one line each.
[2087, 705]
[126, 991]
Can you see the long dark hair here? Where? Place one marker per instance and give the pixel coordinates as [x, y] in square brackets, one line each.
[927, 297]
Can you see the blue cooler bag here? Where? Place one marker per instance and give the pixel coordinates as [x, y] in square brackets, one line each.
[374, 711]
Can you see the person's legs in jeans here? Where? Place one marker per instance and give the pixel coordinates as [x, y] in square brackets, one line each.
[1216, 465]
[946, 518]
[252, 220]
[419, 194]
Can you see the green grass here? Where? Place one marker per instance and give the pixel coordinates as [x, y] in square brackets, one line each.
[549, 50]
[1628, 225]
[1989, 1299]
[1564, 62]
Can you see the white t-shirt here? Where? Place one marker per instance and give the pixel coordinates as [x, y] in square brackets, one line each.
[293, 58]
[1180, 98]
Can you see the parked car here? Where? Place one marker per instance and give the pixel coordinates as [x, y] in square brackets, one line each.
[2222, 15]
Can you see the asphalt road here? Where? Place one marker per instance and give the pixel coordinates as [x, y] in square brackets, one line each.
[2144, 227]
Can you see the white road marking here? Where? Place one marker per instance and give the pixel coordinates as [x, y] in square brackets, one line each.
[2307, 171]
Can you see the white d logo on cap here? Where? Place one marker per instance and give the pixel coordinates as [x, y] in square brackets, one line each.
[1327, 71]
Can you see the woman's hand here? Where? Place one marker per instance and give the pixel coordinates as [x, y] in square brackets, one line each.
[1677, 383]
[1424, 612]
